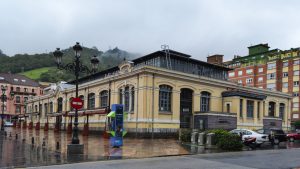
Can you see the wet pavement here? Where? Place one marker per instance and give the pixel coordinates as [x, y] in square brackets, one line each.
[20, 152]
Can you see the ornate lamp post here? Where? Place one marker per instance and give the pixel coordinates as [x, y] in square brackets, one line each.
[4, 99]
[75, 67]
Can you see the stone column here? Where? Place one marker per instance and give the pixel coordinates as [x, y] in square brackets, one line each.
[266, 105]
[244, 110]
[97, 100]
[277, 109]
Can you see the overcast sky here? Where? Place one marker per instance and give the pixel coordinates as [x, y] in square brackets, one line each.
[196, 27]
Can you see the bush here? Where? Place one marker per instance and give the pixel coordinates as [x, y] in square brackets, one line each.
[185, 135]
[225, 140]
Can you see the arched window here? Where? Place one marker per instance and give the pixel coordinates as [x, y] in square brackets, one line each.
[51, 107]
[104, 99]
[281, 110]
[71, 108]
[126, 99]
[120, 96]
[18, 89]
[35, 108]
[91, 101]
[205, 102]
[271, 111]
[59, 105]
[165, 93]
[18, 99]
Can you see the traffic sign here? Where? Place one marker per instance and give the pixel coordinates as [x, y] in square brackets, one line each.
[77, 103]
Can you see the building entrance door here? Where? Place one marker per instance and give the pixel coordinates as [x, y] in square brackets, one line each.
[186, 108]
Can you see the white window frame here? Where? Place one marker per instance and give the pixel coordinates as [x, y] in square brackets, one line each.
[271, 66]
[285, 74]
[260, 70]
[249, 71]
[285, 85]
[231, 74]
[240, 72]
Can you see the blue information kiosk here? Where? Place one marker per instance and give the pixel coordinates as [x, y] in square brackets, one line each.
[116, 126]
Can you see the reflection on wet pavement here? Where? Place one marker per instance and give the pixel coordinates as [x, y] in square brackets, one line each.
[20, 152]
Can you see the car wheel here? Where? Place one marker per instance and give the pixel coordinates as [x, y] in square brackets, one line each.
[276, 141]
[292, 139]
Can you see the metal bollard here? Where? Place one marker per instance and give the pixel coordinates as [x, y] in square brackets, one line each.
[201, 139]
[32, 140]
[194, 137]
[57, 145]
[16, 136]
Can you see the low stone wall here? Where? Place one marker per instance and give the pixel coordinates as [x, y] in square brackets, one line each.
[272, 123]
[214, 121]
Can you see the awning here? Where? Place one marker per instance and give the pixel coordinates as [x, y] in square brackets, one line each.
[244, 94]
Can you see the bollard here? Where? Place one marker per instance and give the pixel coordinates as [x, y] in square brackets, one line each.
[32, 140]
[57, 145]
[9, 134]
[16, 136]
[201, 139]
[44, 143]
[194, 137]
[210, 142]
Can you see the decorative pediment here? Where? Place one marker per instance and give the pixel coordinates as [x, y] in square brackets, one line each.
[126, 67]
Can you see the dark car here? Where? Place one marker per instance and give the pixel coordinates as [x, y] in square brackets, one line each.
[276, 135]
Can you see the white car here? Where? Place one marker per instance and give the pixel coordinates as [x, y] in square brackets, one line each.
[260, 138]
[8, 124]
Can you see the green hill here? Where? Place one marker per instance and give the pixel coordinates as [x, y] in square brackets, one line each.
[36, 73]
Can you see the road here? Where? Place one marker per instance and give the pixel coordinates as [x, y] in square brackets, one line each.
[267, 159]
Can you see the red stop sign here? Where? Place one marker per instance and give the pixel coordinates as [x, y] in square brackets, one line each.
[77, 103]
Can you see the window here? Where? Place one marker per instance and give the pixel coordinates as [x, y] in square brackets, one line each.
[132, 98]
[258, 109]
[46, 108]
[51, 107]
[25, 99]
[250, 105]
[165, 93]
[285, 74]
[18, 89]
[25, 90]
[40, 108]
[241, 107]
[16, 80]
[296, 73]
[240, 81]
[260, 70]
[32, 90]
[271, 66]
[59, 105]
[240, 73]
[18, 99]
[35, 108]
[91, 101]
[296, 62]
[120, 96]
[260, 79]
[271, 76]
[126, 97]
[82, 98]
[295, 105]
[296, 94]
[249, 80]
[285, 85]
[285, 64]
[271, 109]
[228, 107]
[104, 99]
[23, 80]
[205, 101]
[249, 71]
[271, 86]
[18, 109]
[296, 83]
[295, 116]
[231, 74]
[281, 110]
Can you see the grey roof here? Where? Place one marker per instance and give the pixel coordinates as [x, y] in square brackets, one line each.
[17, 79]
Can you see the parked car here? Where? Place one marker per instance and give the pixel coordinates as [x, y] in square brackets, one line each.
[293, 136]
[8, 124]
[246, 134]
[276, 135]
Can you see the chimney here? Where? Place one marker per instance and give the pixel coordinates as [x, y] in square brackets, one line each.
[215, 59]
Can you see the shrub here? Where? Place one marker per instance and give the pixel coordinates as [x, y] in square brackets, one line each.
[226, 140]
[185, 135]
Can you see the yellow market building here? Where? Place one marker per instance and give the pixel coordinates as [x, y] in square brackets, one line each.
[163, 92]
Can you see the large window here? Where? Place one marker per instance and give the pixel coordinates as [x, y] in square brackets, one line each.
[120, 96]
[271, 76]
[18, 99]
[104, 99]
[126, 97]
[258, 109]
[46, 108]
[250, 105]
[132, 98]
[241, 107]
[59, 105]
[165, 93]
[271, 66]
[281, 110]
[18, 109]
[205, 101]
[91, 101]
[51, 107]
[272, 109]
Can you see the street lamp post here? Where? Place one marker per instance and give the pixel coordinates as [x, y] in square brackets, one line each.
[75, 67]
[4, 99]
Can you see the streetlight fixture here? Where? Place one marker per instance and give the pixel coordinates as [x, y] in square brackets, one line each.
[75, 67]
[4, 99]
